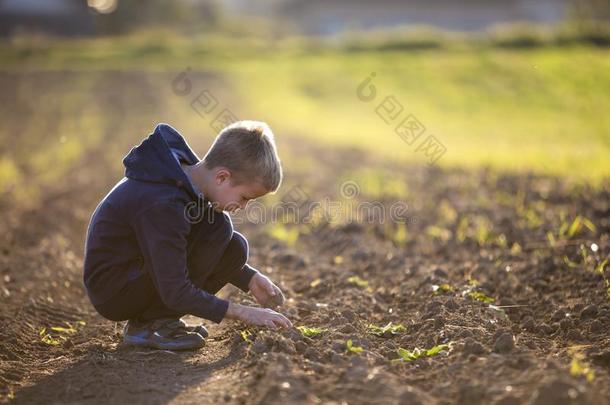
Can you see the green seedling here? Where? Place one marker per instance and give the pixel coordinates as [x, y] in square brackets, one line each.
[516, 249]
[442, 289]
[283, 234]
[436, 232]
[568, 230]
[310, 332]
[601, 266]
[462, 229]
[571, 264]
[585, 259]
[350, 348]
[398, 236]
[50, 340]
[246, 335]
[389, 329]
[471, 281]
[360, 282]
[578, 367]
[315, 283]
[483, 231]
[59, 334]
[479, 296]
[410, 355]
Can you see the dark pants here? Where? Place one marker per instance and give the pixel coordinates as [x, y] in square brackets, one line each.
[216, 253]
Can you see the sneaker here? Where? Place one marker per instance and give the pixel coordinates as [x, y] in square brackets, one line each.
[200, 329]
[164, 334]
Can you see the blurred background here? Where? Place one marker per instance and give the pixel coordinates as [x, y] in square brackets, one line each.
[516, 86]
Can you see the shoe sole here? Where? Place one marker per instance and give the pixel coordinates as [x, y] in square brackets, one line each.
[141, 342]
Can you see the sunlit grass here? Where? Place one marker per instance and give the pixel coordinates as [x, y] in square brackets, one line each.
[541, 109]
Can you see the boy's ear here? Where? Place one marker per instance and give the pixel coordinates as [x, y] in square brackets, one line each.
[222, 175]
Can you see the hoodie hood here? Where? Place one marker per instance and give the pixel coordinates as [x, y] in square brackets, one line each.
[152, 160]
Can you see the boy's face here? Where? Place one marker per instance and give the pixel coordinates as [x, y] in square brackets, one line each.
[228, 196]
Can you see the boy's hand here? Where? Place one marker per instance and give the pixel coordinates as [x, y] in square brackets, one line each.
[258, 316]
[266, 293]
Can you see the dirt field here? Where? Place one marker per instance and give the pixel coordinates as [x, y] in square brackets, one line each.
[503, 274]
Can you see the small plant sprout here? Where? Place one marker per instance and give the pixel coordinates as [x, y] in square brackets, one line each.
[360, 282]
[350, 348]
[387, 330]
[437, 232]
[284, 234]
[246, 335]
[59, 334]
[310, 332]
[578, 367]
[569, 230]
[442, 289]
[410, 355]
[315, 283]
[479, 296]
[601, 266]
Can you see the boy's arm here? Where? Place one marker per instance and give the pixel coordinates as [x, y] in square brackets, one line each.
[161, 231]
[242, 278]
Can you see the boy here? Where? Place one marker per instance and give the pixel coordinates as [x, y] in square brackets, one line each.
[149, 261]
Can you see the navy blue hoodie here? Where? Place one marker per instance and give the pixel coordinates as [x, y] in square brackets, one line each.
[141, 220]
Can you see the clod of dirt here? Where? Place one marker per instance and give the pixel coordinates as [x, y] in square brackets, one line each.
[287, 258]
[440, 273]
[415, 396]
[505, 343]
[300, 347]
[312, 354]
[260, 346]
[294, 335]
[349, 315]
[451, 304]
[347, 328]
[560, 392]
[546, 329]
[574, 335]
[529, 324]
[565, 324]
[596, 326]
[471, 346]
[357, 369]
[508, 400]
[558, 315]
[465, 333]
[338, 346]
[589, 312]
[602, 358]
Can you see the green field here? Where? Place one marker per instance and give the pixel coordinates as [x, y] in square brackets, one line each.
[541, 109]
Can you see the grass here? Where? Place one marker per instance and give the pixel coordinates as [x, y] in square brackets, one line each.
[540, 110]
[537, 108]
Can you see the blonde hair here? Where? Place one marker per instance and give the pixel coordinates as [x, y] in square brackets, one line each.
[247, 149]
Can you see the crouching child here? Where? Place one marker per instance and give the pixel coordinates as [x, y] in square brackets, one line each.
[160, 244]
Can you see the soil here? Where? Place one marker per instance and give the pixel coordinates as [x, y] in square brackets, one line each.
[547, 328]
